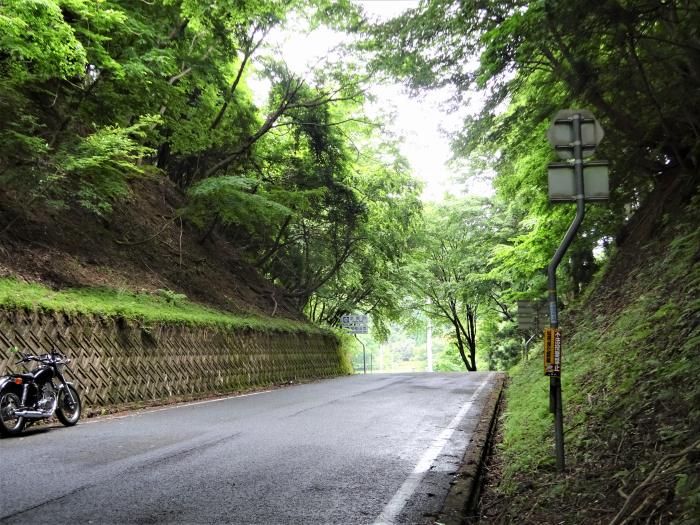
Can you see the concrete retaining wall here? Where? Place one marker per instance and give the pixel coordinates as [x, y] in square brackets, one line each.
[115, 361]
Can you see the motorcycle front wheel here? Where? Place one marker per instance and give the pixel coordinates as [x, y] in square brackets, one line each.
[67, 411]
[10, 424]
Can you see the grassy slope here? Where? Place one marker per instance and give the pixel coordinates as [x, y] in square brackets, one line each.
[140, 247]
[631, 398]
[165, 307]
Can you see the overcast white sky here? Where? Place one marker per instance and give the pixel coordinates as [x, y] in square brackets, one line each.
[419, 122]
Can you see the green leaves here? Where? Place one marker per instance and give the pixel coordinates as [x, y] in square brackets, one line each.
[451, 268]
[100, 164]
[530, 59]
[37, 43]
[234, 200]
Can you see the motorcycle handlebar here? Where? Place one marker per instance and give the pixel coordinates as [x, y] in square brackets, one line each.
[53, 357]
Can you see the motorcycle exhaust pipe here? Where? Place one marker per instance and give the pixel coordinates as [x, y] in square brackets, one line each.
[37, 414]
[32, 414]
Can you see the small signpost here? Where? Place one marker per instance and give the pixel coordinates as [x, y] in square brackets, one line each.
[357, 324]
[574, 134]
[532, 318]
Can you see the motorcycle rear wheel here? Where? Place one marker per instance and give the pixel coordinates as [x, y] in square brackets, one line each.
[10, 425]
[67, 412]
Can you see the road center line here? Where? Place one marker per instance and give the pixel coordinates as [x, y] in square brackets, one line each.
[401, 497]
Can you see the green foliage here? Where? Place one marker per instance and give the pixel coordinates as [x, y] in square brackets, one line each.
[94, 94]
[346, 347]
[630, 63]
[633, 71]
[75, 86]
[449, 360]
[501, 343]
[632, 348]
[38, 43]
[371, 277]
[405, 350]
[98, 167]
[171, 297]
[526, 442]
[93, 170]
[450, 268]
[234, 200]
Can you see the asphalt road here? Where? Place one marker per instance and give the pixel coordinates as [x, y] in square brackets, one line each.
[371, 449]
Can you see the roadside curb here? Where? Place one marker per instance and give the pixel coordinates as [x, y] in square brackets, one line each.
[464, 494]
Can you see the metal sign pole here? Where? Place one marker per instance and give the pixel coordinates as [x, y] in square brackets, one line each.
[429, 345]
[574, 134]
[526, 348]
[364, 355]
[555, 398]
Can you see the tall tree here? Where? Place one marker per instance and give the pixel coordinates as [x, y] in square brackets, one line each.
[450, 268]
[372, 277]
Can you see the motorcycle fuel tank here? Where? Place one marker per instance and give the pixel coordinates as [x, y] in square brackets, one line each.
[43, 374]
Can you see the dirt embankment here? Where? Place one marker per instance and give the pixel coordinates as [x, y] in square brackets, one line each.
[143, 246]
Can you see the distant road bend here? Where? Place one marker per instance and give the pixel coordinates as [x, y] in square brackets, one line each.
[364, 449]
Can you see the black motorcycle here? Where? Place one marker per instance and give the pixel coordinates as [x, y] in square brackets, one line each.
[39, 394]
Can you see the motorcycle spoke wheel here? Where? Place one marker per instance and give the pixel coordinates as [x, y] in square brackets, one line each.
[67, 411]
[10, 424]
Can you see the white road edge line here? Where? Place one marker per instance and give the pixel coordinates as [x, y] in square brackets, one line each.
[172, 407]
[403, 495]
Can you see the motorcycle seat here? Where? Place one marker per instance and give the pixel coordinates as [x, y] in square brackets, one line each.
[25, 377]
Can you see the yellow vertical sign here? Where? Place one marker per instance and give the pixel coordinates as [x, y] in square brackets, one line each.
[552, 352]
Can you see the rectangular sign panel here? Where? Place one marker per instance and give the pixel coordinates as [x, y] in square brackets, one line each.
[552, 352]
[526, 315]
[561, 135]
[355, 323]
[595, 182]
[532, 315]
[561, 131]
[357, 329]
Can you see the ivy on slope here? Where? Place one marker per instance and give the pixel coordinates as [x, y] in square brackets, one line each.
[631, 399]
